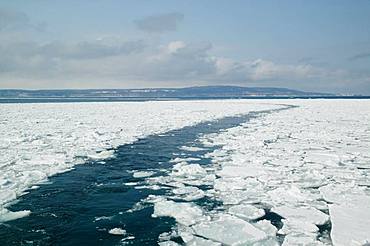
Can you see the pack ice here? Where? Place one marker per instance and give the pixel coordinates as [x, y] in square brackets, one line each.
[40, 140]
[310, 164]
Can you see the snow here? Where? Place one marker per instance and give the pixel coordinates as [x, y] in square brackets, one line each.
[40, 140]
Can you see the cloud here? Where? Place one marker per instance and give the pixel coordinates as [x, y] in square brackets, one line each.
[160, 23]
[89, 50]
[63, 50]
[114, 62]
[177, 62]
[12, 21]
[180, 61]
[364, 55]
[53, 60]
[264, 70]
[125, 62]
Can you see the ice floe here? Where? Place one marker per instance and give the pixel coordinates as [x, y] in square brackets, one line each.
[350, 214]
[184, 213]
[192, 170]
[230, 230]
[267, 227]
[350, 222]
[191, 148]
[189, 193]
[168, 243]
[246, 211]
[6, 215]
[117, 231]
[142, 174]
[307, 214]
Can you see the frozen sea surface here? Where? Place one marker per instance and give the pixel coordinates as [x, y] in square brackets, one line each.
[40, 140]
[308, 164]
[111, 203]
[306, 167]
[290, 175]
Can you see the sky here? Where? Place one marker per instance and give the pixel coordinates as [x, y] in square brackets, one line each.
[311, 45]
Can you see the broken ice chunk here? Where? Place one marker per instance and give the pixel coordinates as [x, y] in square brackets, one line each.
[229, 230]
[308, 214]
[289, 195]
[191, 148]
[246, 211]
[294, 225]
[351, 221]
[105, 154]
[142, 174]
[198, 241]
[184, 213]
[117, 231]
[300, 239]
[189, 193]
[189, 170]
[267, 227]
[242, 171]
[6, 215]
[168, 243]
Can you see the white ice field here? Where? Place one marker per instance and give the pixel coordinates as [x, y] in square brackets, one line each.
[39, 140]
[309, 164]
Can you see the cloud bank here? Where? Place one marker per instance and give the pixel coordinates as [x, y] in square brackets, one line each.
[175, 63]
[365, 55]
[160, 23]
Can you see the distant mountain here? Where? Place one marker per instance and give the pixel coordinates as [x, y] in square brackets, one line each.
[188, 92]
